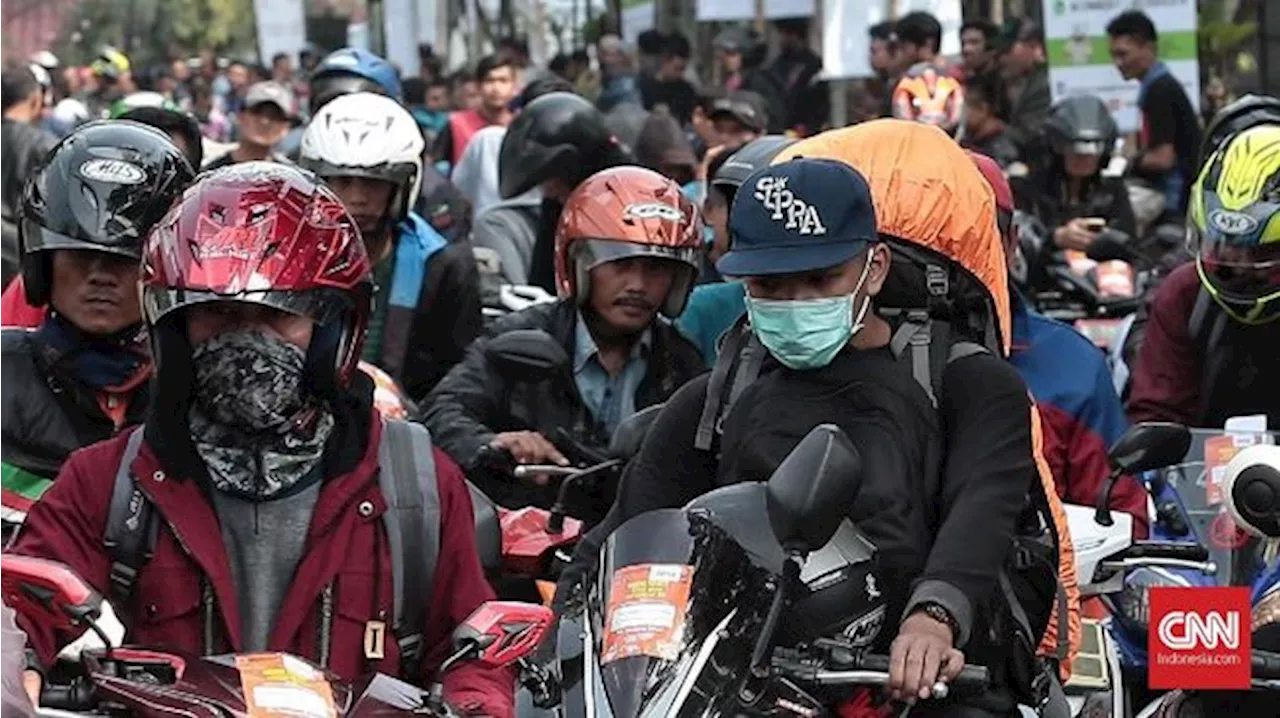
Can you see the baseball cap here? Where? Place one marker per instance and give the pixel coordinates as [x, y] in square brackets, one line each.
[743, 106]
[262, 93]
[798, 216]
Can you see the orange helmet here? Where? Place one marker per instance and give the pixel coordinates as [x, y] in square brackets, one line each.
[625, 212]
[927, 95]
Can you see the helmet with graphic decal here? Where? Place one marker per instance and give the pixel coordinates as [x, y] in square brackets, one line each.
[267, 234]
[100, 189]
[927, 95]
[1233, 225]
[626, 212]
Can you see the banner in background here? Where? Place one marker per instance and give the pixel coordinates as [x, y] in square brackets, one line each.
[1079, 51]
[637, 16]
[400, 33]
[724, 10]
[282, 27]
[845, 42]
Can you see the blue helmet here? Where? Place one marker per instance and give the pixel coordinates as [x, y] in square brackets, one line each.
[349, 70]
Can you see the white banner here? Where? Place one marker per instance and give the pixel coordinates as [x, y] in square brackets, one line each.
[282, 27]
[1079, 52]
[724, 10]
[845, 42]
[400, 31]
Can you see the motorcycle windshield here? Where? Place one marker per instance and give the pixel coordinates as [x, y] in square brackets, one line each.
[639, 622]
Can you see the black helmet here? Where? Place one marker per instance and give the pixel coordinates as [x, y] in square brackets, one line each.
[100, 188]
[1248, 111]
[1082, 124]
[557, 135]
[154, 109]
[747, 159]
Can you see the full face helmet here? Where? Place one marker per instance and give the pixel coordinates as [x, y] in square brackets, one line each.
[627, 212]
[926, 95]
[1233, 225]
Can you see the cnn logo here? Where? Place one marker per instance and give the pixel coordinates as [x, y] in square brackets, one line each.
[1187, 630]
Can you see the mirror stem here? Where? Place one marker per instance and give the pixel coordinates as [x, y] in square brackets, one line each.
[102, 636]
[790, 574]
[1103, 515]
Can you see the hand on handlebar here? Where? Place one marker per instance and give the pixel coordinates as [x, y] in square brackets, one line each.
[921, 655]
[32, 682]
[530, 447]
[1074, 235]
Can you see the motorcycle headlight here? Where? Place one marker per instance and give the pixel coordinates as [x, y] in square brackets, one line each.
[1130, 606]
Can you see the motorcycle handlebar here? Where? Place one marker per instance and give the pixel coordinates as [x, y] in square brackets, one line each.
[873, 670]
[1177, 550]
[1207, 568]
[971, 677]
[1265, 665]
[77, 696]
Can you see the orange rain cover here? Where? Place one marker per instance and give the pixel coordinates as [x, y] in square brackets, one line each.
[927, 191]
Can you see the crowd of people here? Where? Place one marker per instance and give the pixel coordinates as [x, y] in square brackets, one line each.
[304, 239]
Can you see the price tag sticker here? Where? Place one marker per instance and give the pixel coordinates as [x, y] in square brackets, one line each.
[277, 685]
[646, 612]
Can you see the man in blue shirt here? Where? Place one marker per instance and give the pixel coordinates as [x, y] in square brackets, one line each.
[626, 249]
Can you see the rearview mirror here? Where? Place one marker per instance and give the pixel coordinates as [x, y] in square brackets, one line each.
[810, 491]
[1150, 445]
[631, 431]
[499, 633]
[47, 592]
[1108, 245]
[530, 355]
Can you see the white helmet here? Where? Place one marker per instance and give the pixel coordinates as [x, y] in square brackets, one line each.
[367, 135]
[1252, 490]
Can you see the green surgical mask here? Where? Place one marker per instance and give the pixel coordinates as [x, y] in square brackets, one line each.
[807, 333]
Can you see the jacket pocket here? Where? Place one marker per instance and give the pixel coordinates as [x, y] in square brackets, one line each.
[168, 610]
[360, 630]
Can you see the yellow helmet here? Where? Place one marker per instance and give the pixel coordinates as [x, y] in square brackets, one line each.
[1233, 225]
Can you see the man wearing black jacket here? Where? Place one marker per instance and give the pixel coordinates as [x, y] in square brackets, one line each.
[627, 250]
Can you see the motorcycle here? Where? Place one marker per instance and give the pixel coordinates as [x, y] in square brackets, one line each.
[716, 608]
[1107, 558]
[155, 682]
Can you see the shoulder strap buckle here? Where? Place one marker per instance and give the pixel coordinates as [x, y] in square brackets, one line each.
[936, 280]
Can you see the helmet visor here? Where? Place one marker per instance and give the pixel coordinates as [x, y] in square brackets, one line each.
[36, 238]
[1239, 271]
[592, 253]
[322, 306]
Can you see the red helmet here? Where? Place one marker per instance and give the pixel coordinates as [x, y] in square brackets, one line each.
[626, 212]
[268, 234]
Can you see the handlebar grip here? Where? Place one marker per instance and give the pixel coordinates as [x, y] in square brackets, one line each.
[77, 697]
[970, 678]
[1179, 550]
[495, 459]
[1265, 664]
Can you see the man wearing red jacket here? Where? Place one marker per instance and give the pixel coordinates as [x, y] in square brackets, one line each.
[264, 462]
[1068, 377]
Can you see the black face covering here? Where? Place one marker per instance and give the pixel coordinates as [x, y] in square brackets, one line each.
[248, 395]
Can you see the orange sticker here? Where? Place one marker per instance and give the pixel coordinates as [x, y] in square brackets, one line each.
[1218, 452]
[646, 613]
[277, 685]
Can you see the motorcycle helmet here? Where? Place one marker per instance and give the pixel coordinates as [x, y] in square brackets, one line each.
[1083, 125]
[156, 110]
[627, 212]
[262, 233]
[367, 135]
[557, 135]
[110, 65]
[100, 189]
[926, 95]
[1248, 111]
[1233, 225]
[349, 70]
[747, 159]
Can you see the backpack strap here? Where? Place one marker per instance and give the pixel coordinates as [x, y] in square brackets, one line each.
[132, 526]
[407, 478]
[733, 343]
[1197, 323]
[1045, 686]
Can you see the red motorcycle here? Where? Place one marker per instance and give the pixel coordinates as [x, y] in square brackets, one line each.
[158, 683]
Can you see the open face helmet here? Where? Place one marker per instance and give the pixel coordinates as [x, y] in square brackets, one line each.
[627, 212]
[352, 69]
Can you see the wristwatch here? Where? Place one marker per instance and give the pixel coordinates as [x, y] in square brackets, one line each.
[941, 615]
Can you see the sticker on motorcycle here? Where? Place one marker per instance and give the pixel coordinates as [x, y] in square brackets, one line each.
[277, 685]
[646, 612]
[1218, 452]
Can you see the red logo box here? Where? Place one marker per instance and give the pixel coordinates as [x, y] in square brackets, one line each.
[1199, 638]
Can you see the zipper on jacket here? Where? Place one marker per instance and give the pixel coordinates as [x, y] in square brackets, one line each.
[206, 598]
[326, 625]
